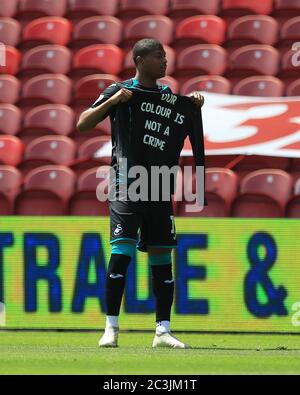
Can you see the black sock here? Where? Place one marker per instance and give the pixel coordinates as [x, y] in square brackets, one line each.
[163, 289]
[115, 282]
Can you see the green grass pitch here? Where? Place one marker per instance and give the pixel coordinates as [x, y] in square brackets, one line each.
[78, 353]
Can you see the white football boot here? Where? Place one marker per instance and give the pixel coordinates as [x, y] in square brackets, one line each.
[167, 340]
[109, 338]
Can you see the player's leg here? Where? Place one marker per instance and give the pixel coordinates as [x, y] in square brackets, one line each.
[122, 252]
[124, 225]
[163, 290]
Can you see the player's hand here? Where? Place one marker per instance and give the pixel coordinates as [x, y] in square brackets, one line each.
[122, 96]
[197, 98]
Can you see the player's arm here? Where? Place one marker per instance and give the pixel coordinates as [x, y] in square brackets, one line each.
[92, 116]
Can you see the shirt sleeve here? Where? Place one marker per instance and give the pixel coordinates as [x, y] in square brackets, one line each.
[105, 95]
[197, 142]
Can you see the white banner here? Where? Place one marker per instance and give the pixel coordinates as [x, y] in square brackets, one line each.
[250, 125]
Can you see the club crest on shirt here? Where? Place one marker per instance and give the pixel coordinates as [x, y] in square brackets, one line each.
[118, 230]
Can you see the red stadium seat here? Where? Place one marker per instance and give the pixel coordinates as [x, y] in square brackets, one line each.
[129, 67]
[47, 30]
[158, 27]
[46, 88]
[90, 155]
[10, 119]
[180, 9]
[253, 60]
[97, 30]
[170, 82]
[264, 193]
[199, 29]
[252, 29]
[80, 9]
[207, 83]
[10, 184]
[39, 203]
[8, 8]
[31, 9]
[293, 205]
[200, 59]
[12, 58]
[220, 189]
[130, 9]
[98, 58]
[11, 150]
[46, 191]
[47, 119]
[10, 31]
[88, 88]
[260, 86]
[54, 178]
[290, 32]
[45, 59]
[45, 150]
[285, 9]
[9, 89]
[238, 8]
[294, 88]
[288, 72]
[84, 201]
[251, 163]
[10, 181]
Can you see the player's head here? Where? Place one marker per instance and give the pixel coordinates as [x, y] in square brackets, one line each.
[150, 58]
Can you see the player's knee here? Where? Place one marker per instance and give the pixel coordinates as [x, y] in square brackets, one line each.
[159, 251]
[118, 266]
[124, 248]
[164, 259]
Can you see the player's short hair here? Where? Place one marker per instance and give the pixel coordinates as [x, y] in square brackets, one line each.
[144, 47]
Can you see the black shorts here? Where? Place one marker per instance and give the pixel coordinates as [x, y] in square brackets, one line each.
[150, 224]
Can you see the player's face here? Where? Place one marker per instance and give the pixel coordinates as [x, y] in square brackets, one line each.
[155, 64]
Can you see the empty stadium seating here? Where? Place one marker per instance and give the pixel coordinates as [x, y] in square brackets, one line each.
[9, 89]
[130, 9]
[97, 30]
[45, 88]
[80, 9]
[85, 202]
[45, 59]
[47, 30]
[47, 119]
[31, 9]
[10, 31]
[158, 27]
[11, 150]
[8, 8]
[97, 58]
[263, 193]
[61, 53]
[48, 150]
[46, 191]
[12, 61]
[94, 152]
[181, 9]
[207, 83]
[10, 119]
[200, 59]
[200, 29]
[252, 29]
[10, 184]
[260, 86]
